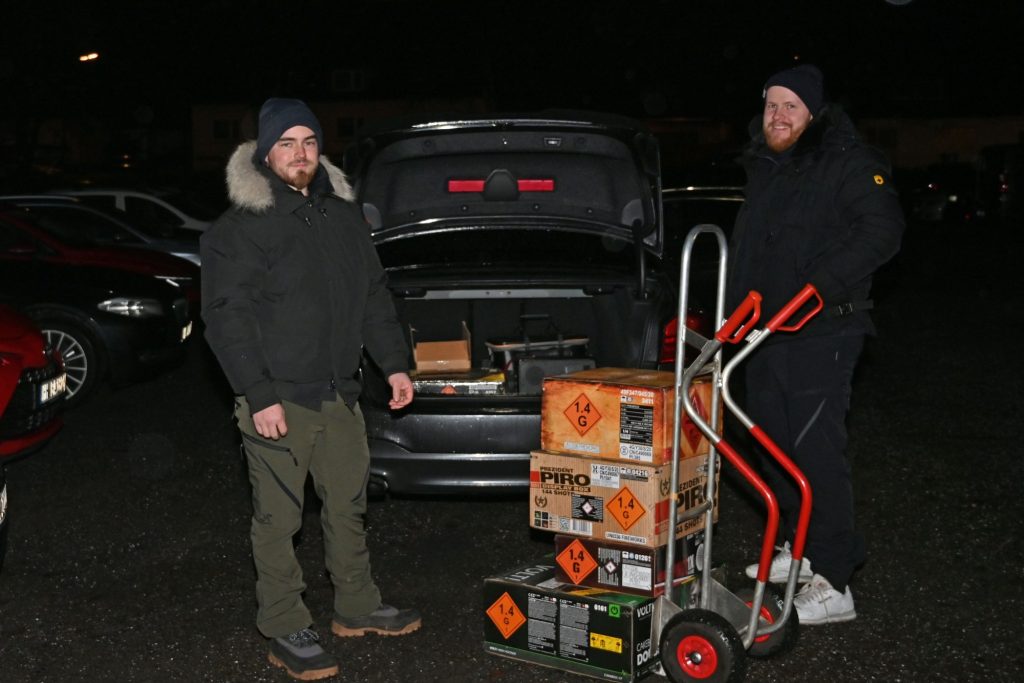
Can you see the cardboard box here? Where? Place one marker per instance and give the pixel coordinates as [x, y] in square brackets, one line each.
[625, 503]
[470, 382]
[531, 616]
[621, 414]
[442, 356]
[625, 568]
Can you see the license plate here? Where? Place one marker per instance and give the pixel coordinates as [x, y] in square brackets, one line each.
[53, 388]
[186, 331]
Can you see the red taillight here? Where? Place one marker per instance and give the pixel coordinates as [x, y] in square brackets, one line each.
[465, 185]
[524, 185]
[696, 321]
[537, 185]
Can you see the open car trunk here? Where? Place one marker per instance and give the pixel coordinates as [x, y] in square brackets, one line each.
[516, 248]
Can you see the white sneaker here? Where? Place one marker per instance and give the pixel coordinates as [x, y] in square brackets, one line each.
[779, 570]
[819, 603]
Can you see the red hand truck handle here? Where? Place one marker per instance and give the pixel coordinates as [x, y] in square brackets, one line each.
[808, 292]
[751, 306]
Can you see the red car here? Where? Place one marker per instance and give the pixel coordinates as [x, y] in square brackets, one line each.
[28, 235]
[32, 387]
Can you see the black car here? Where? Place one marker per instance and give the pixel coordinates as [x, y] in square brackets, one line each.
[530, 243]
[105, 323]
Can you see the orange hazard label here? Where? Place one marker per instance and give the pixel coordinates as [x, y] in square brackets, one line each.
[505, 615]
[626, 508]
[582, 414]
[576, 562]
[690, 430]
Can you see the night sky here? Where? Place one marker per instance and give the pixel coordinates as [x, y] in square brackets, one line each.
[661, 57]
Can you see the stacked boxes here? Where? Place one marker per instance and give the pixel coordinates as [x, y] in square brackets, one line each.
[621, 414]
[602, 483]
[572, 494]
[533, 616]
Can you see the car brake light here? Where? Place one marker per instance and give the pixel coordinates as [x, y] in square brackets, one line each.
[524, 185]
[537, 185]
[465, 186]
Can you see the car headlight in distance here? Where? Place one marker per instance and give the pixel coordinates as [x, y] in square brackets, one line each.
[132, 308]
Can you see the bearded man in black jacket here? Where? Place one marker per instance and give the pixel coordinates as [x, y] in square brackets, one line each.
[820, 208]
[293, 292]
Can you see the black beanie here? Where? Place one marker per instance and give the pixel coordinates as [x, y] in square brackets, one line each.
[806, 81]
[277, 115]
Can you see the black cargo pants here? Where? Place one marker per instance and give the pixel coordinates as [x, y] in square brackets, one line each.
[798, 391]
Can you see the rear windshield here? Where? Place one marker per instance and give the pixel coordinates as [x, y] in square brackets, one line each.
[510, 248]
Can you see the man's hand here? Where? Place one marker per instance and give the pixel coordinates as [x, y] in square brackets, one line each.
[270, 423]
[401, 390]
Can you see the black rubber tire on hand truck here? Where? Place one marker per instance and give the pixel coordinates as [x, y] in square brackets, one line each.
[701, 645]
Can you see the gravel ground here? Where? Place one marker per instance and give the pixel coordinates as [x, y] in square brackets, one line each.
[129, 558]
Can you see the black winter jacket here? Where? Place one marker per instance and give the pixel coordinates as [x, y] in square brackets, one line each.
[292, 289]
[823, 212]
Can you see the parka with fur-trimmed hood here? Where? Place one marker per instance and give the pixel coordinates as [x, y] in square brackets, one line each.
[823, 212]
[292, 289]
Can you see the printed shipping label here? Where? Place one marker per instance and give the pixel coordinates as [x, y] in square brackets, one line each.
[637, 576]
[604, 476]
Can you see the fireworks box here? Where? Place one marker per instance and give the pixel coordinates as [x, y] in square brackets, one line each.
[532, 616]
[469, 382]
[610, 501]
[621, 414]
[625, 568]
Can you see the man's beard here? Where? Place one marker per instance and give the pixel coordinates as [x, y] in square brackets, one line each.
[301, 178]
[781, 144]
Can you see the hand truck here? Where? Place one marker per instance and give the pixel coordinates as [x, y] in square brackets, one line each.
[711, 642]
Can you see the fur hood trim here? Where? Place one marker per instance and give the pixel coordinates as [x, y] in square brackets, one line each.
[249, 188]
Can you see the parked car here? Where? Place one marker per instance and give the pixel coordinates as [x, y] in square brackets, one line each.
[69, 218]
[545, 227]
[32, 389]
[112, 313]
[154, 207]
[26, 234]
[942, 193]
[1000, 172]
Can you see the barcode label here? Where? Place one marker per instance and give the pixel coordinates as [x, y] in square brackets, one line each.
[578, 526]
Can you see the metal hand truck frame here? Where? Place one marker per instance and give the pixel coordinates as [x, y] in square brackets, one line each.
[710, 643]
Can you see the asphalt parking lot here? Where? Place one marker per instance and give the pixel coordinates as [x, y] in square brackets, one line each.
[129, 558]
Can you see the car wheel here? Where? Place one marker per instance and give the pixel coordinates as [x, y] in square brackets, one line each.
[81, 359]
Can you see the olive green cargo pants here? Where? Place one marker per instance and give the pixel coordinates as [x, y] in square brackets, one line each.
[331, 446]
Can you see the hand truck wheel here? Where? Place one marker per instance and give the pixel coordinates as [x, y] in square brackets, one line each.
[701, 645]
[771, 609]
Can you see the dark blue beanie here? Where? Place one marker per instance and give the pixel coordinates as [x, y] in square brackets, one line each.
[806, 81]
[277, 115]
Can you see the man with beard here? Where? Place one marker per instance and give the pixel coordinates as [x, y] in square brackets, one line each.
[820, 208]
[293, 292]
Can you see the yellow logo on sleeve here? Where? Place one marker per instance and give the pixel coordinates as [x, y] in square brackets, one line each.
[879, 180]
